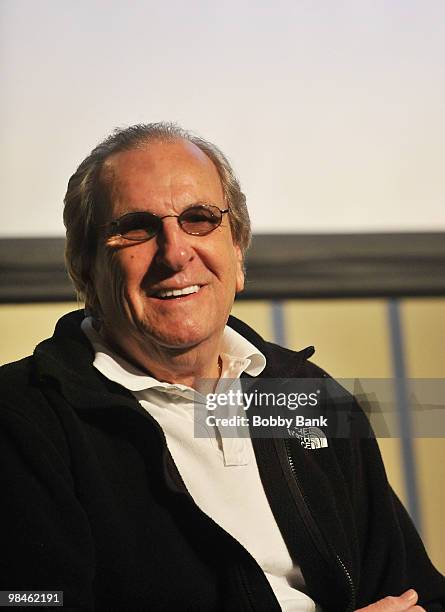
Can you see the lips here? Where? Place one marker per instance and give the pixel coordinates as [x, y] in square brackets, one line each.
[173, 293]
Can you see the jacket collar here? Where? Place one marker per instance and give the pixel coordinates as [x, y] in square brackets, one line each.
[280, 361]
[67, 358]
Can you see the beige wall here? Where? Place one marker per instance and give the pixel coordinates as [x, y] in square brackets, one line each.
[351, 339]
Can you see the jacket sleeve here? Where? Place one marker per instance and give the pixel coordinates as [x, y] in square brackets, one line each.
[45, 536]
[393, 557]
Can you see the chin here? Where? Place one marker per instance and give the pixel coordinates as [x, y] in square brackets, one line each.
[181, 337]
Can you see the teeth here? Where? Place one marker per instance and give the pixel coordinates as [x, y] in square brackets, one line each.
[176, 292]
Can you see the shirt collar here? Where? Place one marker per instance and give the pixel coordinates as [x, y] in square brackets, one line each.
[235, 350]
[235, 346]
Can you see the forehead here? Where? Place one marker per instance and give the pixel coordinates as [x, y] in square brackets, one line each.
[161, 173]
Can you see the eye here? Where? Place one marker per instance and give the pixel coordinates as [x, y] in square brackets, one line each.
[200, 220]
[137, 226]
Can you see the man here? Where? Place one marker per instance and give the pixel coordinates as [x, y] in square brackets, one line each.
[107, 494]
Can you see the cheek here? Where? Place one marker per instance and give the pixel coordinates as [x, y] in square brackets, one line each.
[133, 271]
[112, 282]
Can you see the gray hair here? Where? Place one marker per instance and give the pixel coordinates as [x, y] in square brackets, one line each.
[86, 197]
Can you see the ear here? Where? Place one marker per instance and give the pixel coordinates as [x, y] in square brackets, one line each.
[239, 269]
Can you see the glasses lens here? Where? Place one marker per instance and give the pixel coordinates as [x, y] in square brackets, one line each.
[200, 220]
[138, 226]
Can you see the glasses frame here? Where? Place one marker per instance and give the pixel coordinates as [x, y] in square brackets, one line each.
[113, 227]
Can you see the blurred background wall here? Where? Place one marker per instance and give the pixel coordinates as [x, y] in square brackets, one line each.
[332, 114]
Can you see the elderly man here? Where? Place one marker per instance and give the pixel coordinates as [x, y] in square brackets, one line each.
[107, 494]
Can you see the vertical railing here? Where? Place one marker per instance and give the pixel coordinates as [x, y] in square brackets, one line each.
[403, 410]
[278, 323]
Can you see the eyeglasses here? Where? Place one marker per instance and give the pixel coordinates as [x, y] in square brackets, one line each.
[197, 220]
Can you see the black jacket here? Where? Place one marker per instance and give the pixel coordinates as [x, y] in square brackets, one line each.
[92, 503]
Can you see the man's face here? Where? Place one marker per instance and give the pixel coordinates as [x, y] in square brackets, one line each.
[166, 178]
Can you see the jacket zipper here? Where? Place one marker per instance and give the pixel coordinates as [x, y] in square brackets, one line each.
[308, 519]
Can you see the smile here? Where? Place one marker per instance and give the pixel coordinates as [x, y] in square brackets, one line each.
[173, 293]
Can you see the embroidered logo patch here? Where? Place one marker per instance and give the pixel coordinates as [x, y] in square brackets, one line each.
[309, 437]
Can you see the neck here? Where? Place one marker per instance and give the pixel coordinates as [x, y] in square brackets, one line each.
[185, 366]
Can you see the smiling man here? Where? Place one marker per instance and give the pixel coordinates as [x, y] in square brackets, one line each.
[176, 282]
[107, 495]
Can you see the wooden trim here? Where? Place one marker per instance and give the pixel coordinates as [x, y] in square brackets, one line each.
[280, 266]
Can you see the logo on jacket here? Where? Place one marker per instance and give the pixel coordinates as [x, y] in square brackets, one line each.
[310, 437]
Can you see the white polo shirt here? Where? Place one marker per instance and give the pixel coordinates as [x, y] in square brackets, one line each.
[220, 473]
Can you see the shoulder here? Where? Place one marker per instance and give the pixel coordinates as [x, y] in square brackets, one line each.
[29, 422]
[20, 390]
[281, 361]
[348, 422]
[16, 378]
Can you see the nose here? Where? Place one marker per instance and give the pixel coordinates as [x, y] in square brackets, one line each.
[174, 248]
